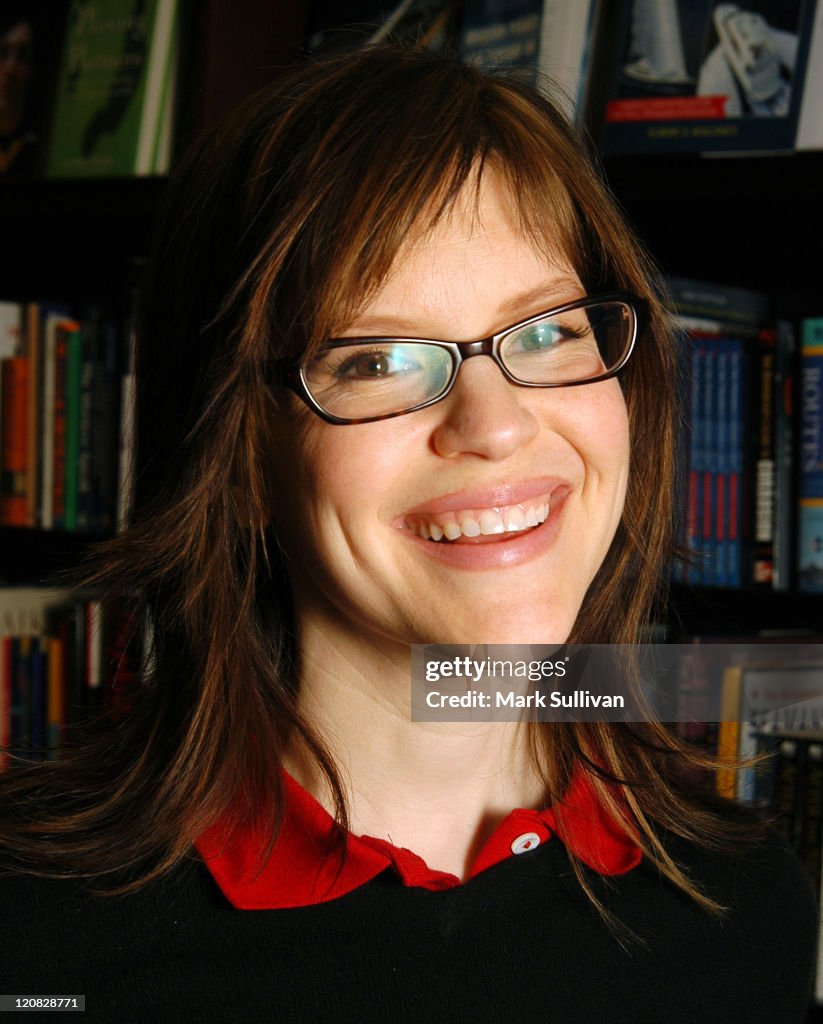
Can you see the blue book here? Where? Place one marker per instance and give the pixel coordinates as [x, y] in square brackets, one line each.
[708, 513]
[497, 34]
[784, 456]
[696, 461]
[723, 565]
[737, 461]
[37, 698]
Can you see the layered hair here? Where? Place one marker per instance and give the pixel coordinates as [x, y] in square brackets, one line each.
[276, 228]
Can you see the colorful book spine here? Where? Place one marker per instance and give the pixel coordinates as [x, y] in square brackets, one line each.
[696, 461]
[810, 512]
[723, 563]
[708, 510]
[764, 458]
[735, 510]
[14, 451]
[73, 390]
[784, 453]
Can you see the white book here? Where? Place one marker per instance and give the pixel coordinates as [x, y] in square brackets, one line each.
[567, 32]
[11, 329]
[47, 421]
[810, 124]
[160, 67]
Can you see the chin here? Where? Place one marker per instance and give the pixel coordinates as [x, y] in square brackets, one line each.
[513, 627]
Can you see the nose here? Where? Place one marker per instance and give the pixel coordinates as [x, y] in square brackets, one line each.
[483, 415]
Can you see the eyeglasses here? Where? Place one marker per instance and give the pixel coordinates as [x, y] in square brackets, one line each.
[357, 380]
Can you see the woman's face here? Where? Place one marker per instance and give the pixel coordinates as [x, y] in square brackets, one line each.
[351, 503]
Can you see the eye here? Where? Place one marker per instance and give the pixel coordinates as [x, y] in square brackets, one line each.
[538, 337]
[372, 364]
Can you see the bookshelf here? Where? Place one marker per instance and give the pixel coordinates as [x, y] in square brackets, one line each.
[744, 220]
[748, 221]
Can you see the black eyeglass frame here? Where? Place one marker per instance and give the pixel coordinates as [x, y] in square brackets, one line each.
[289, 373]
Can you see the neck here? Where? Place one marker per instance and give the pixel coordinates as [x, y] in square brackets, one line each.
[437, 788]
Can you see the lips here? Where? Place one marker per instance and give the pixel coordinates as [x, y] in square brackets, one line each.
[497, 514]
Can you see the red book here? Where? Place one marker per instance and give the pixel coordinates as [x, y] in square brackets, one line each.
[14, 464]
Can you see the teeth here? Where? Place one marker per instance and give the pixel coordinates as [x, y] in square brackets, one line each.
[491, 522]
[469, 526]
[486, 522]
[515, 520]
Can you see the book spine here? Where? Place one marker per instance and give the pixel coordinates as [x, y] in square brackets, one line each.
[737, 384]
[810, 517]
[764, 467]
[85, 485]
[74, 396]
[728, 731]
[491, 36]
[695, 574]
[58, 487]
[5, 700]
[33, 411]
[37, 698]
[723, 558]
[786, 789]
[46, 425]
[709, 510]
[105, 426]
[784, 454]
[56, 703]
[14, 449]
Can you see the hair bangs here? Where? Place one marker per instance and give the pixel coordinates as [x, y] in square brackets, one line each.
[367, 173]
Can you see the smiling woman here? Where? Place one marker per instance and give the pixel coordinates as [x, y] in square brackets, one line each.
[404, 378]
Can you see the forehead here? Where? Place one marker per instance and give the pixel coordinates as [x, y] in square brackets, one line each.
[476, 264]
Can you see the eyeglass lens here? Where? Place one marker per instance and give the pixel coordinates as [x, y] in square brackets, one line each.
[385, 376]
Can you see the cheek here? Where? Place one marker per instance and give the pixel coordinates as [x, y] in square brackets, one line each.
[595, 422]
[324, 477]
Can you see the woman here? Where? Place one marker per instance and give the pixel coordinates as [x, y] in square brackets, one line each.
[315, 496]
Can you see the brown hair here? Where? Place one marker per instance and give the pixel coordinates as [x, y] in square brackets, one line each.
[276, 226]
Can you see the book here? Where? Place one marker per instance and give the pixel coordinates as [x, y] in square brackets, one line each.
[41, 321]
[731, 432]
[778, 696]
[550, 42]
[810, 497]
[785, 431]
[44, 673]
[763, 449]
[115, 91]
[335, 26]
[11, 329]
[31, 36]
[11, 333]
[697, 77]
[810, 121]
[14, 448]
[73, 399]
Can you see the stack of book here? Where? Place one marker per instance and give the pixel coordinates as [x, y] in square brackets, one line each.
[752, 444]
[64, 657]
[65, 418]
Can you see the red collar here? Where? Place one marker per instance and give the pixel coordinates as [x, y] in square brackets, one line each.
[299, 872]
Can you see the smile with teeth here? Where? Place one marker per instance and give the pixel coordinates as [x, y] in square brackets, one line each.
[484, 522]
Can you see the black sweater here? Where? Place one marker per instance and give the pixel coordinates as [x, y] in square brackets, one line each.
[519, 942]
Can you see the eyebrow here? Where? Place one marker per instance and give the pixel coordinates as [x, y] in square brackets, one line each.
[548, 295]
[555, 293]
